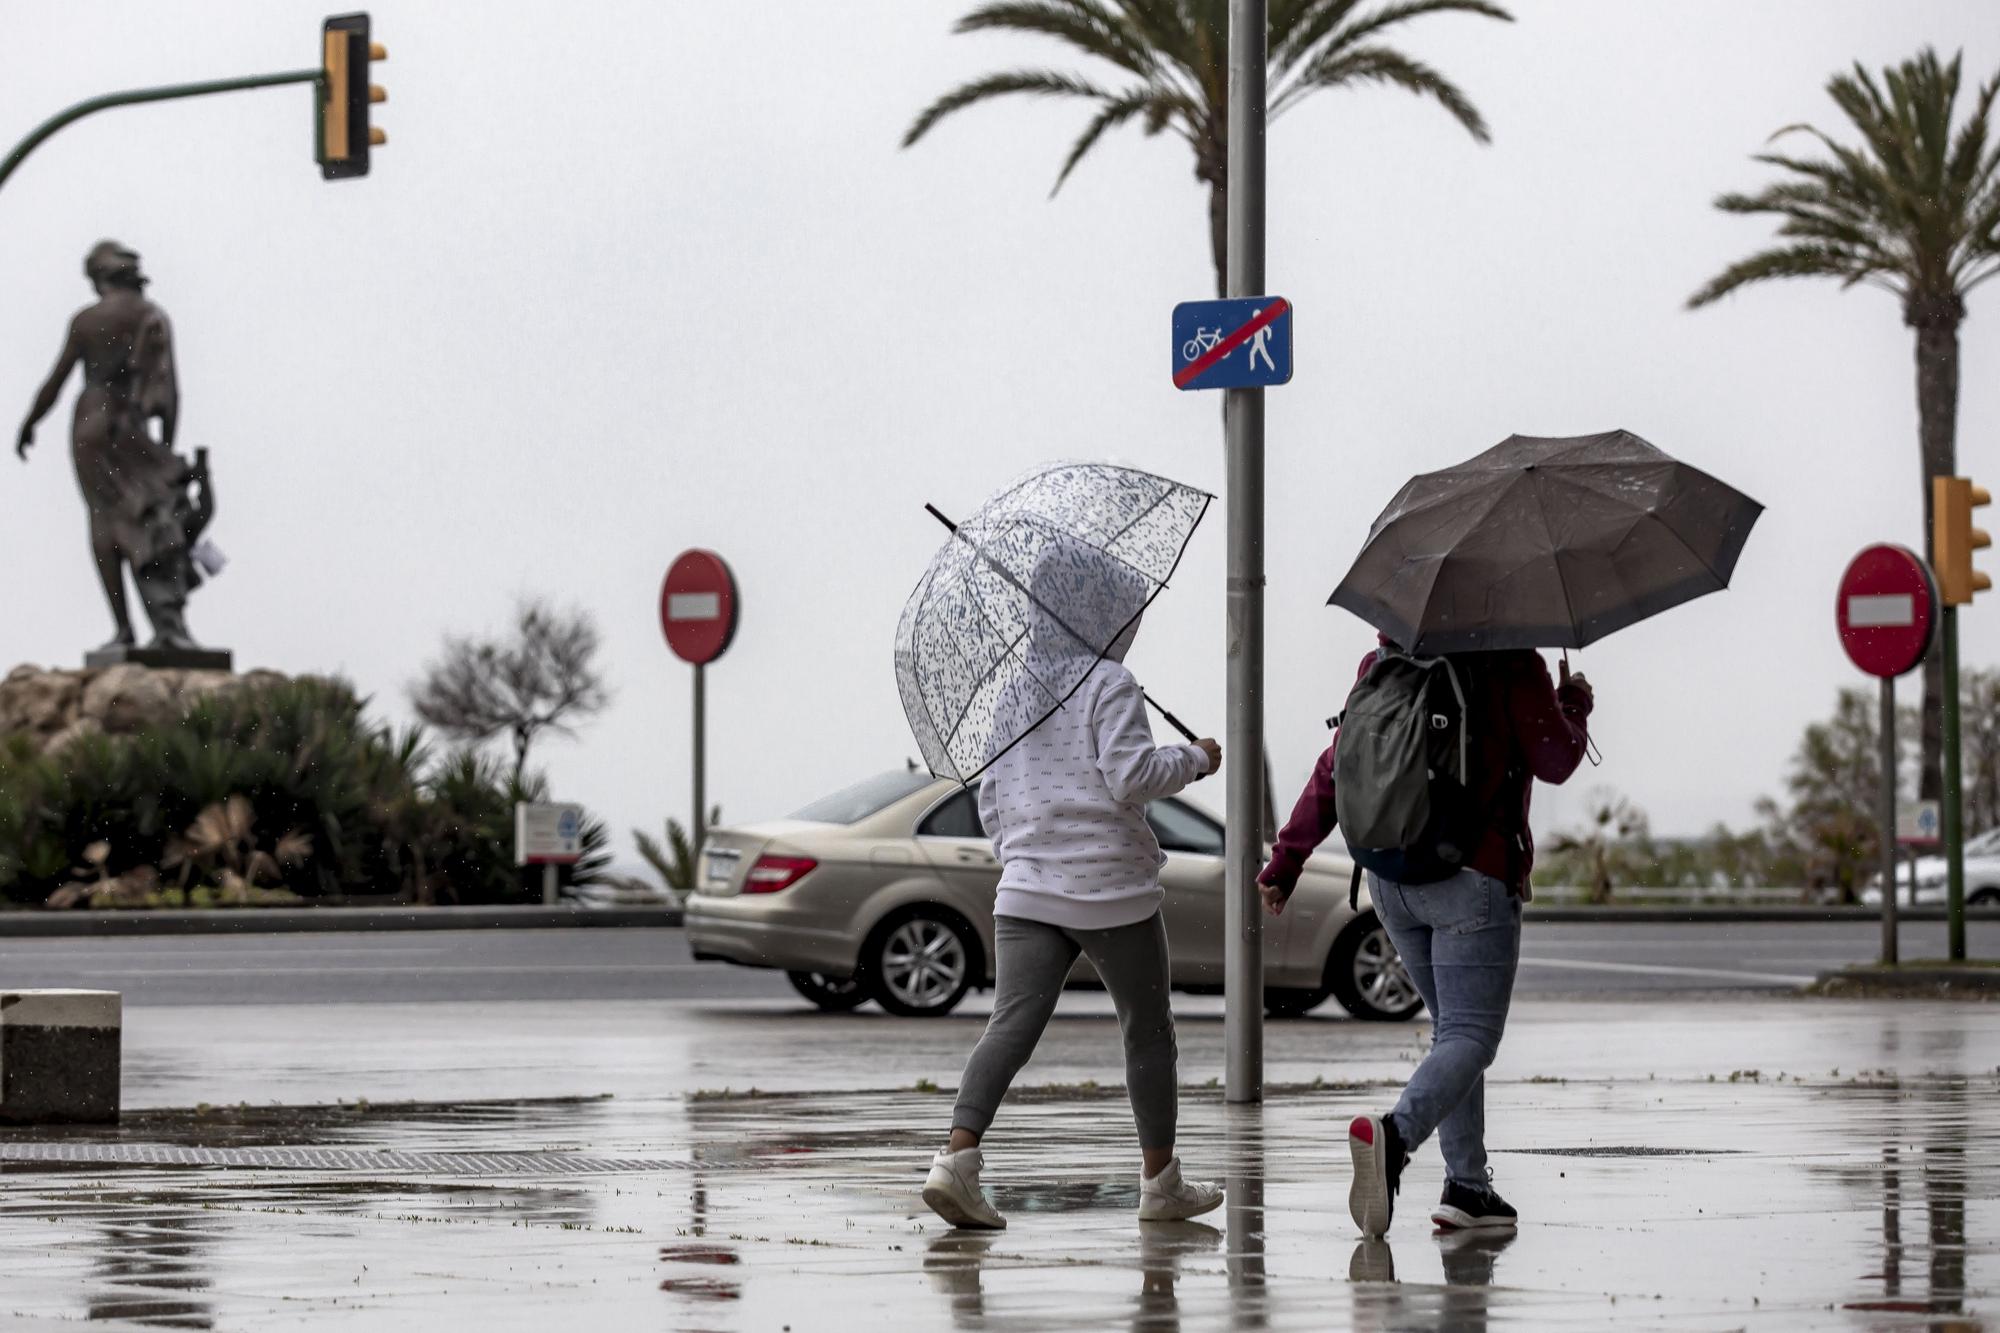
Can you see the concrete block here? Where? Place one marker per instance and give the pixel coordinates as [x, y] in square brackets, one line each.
[59, 1053]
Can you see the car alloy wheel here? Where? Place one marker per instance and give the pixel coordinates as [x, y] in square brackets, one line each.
[1368, 977]
[1380, 976]
[922, 966]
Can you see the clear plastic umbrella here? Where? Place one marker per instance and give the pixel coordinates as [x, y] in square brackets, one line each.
[1045, 579]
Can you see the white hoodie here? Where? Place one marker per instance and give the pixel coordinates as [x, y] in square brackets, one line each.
[1066, 808]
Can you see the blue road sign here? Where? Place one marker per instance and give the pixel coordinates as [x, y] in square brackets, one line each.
[1243, 344]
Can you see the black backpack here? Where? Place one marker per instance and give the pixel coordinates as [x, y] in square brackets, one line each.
[1402, 768]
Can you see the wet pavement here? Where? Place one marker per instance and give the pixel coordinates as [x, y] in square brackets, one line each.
[1745, 1164]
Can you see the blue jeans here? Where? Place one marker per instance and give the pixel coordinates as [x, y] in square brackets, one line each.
[1460, 940]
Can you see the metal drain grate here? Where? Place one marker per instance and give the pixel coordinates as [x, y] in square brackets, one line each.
[1624, 1151]
[333, 1159]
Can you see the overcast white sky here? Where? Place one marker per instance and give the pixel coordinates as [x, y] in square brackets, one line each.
[632, 277]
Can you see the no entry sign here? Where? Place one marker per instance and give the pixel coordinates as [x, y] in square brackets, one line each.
[1886, 610]
[698, 607]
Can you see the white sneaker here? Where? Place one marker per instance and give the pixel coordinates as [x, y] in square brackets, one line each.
[953, 1193]
[1168, 1197]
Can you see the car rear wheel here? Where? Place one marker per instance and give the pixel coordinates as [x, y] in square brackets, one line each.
[836, 995]
[1367, 977]
[919, 962]
[1988, 897]
[1293, 1002]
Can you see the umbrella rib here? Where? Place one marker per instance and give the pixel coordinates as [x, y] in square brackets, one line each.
[1650, 515]
[1437, 570]
[1562, 579]
[1119, 536]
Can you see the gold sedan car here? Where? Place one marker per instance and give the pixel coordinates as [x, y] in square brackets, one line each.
[885, 891]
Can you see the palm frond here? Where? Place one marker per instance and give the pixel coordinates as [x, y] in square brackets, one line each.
[1084, 24]
[1033, 82]
[1806, 260]
[1116, 112]
[1380, 64]
[1324, 21]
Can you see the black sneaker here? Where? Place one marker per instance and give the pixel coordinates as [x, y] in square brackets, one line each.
[1465, 1208]
[1379, 1159]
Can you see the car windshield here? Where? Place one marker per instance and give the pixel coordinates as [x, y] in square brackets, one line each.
[1986, 844]
[854, 804]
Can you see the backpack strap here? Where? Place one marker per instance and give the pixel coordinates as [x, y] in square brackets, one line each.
[1354, 890]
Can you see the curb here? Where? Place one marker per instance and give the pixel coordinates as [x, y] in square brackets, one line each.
[299, 920]
[1695, 915]
[1919, 979]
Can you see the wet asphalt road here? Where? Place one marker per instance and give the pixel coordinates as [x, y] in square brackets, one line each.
[1593, 959]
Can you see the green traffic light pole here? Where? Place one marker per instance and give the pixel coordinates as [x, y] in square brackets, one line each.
[135, 96]
[1954, 806]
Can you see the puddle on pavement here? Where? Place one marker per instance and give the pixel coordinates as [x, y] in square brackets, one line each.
[1884, 1183]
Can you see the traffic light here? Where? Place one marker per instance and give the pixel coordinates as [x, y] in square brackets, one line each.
[345, 136]
[1954, 539]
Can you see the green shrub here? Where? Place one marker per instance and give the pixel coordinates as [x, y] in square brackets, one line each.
[382, 815]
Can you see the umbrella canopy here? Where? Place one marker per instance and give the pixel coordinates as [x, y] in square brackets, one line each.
[1048, 576]
[1545, 543]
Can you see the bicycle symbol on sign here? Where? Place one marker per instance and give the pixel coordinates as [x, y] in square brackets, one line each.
[1204, 340]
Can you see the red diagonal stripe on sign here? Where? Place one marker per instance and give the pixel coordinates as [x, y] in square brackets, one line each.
[1200, 365]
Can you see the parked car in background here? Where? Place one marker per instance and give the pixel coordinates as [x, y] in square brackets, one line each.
[1982, 877]
[885, 891]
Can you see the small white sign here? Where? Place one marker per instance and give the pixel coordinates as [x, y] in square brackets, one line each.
[1919, 825]
[1881, 611]
[694, 606]
[547, 833]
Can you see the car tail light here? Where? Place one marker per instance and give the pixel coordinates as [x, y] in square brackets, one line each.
[772, 873]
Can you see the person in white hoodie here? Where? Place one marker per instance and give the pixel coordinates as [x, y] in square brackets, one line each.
[1080, 874]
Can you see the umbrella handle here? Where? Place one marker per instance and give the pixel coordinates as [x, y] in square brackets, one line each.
[1169, 718]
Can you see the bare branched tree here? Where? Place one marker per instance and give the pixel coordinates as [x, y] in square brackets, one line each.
[541, 676]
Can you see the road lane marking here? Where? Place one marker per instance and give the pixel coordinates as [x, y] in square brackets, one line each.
[1665, 970]
[422, 970]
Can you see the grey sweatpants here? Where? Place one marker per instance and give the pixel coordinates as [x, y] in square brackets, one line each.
[1032, 961]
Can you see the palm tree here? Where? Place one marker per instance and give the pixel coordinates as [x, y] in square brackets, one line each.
[1171, 62]
[1915, 211]
[675, 861]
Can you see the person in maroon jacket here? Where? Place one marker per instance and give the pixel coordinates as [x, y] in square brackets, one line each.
[1460, 938]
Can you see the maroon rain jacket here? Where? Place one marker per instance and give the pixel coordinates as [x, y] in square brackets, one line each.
[1517, 711]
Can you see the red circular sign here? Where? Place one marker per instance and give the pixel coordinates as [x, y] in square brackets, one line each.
[698, 606]
[1886, 610]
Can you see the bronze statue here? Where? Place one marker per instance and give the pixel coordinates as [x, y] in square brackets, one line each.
[148, 505]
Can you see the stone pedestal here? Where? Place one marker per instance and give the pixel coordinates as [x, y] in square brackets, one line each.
[59, 1054]
[160, 659]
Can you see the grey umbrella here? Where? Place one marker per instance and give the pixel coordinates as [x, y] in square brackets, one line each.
[1545, 543]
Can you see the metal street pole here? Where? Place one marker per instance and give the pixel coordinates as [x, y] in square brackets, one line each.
[1954, 807]
[1243, 947]
[139, 95]
[700, 826]
[549, 893]
[1888, 729]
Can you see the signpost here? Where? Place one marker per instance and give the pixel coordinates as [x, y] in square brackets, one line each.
[548, 835]
[1887, 611]
[698, 612]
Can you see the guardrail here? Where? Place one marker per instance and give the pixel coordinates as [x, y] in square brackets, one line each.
[1578, 895]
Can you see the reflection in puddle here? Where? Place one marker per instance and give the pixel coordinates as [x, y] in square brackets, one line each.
[1935, 1173]
[149, 1268]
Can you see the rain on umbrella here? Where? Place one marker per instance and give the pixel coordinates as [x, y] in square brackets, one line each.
[1545, 543]
[1030, 593]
